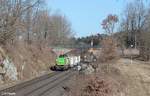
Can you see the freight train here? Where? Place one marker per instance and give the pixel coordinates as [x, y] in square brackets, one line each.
[72, 59]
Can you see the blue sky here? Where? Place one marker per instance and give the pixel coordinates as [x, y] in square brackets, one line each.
[86, 15]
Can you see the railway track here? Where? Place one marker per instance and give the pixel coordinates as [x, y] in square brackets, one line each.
[40, 86]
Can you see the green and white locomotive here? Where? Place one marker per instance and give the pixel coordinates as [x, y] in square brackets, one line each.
[64, 62]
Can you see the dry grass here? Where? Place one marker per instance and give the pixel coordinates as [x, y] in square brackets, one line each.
[123, 79]
[136, 75]
[133, 77]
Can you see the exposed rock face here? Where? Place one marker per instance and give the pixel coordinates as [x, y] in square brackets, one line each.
[7, 68]
[10, 69]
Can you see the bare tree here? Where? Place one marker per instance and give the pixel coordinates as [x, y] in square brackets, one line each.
[41, 26]
[51, 29]
[108, 43]
[61, 29]
[11, 13]
[134, 20]
[136, 23]
[25, 19]
[108, 24]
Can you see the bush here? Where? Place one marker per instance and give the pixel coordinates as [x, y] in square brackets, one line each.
[108, 51]
[97, 87]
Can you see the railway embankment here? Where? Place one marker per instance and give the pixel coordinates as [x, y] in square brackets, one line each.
[22, 62]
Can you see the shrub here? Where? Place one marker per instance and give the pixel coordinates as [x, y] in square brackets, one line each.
[108, 51]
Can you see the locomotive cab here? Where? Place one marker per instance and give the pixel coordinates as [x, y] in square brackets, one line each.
[62, 62]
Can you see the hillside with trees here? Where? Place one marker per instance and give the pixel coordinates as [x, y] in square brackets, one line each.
[27, 30]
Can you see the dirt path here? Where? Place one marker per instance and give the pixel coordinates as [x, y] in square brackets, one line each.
[136, 75]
